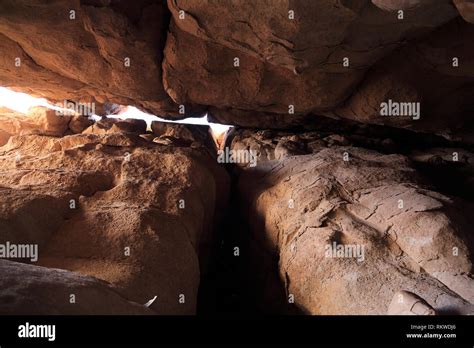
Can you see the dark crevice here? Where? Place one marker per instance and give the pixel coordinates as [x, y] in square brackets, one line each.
[244, 285]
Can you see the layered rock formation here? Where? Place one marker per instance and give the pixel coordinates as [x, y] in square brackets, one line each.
[94, 51]
[128, 210]
[134, 213]
[285, 70]
[273, 64]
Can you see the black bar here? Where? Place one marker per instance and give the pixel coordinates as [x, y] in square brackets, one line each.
[288, 330]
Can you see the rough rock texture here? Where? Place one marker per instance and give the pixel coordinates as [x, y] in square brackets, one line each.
[131, 212]
[79, 123]
[299, 63]
[136, 207]
[210, 78]
[84, 55]
[43, 291]
[114, 125]
[38, 120]
[407, 303]
[423, 72]
[297, 204]
[321, 33]
[296, 58]
[184, 135]
[466, 9]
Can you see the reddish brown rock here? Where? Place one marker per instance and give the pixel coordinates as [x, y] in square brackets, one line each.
[466, 9]
[38, 120]
[137, 208]
[253, 85]
[315, 35]
[49, 121]
[44, 291]
[291, 57]
[286, 67]
[412, 238]
[184, 135]
[79, 123]
[407, 303]
[436, 72]
[113, 125]
[97, 53]
[133, 213]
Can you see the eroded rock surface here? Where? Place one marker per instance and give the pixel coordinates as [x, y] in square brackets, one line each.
[407, 303]
[135, 206]
[256, 67]
[94, 51]
[413, 238]
[274, 64]
[33, 290]
[436, 72]
[117, 207]
[38, 120]
[113, 125]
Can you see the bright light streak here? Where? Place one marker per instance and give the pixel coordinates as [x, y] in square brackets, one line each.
[21, 102]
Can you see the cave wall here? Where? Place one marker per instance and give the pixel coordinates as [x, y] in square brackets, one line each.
[137, 212]
[306, 194]
[309, 77]
[291, 54]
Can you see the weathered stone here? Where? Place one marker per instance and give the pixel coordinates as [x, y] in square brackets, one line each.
[466, 9]
[38, 120]
[115, 207]
[321, 164]
[287, 68]
[184, 135]
[113, 125]
[407, 77]
[86, 51]
[413, 238]
[295, 58]
[407, 303]
[33, 290]
[79, 123]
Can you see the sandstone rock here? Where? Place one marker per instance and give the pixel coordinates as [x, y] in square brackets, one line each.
[115, 207]
[113, 125]
[79, 123]
[86, 51]
[407, 303]
[409, 75]
[38, 120]
[320, 32]
[48, 121]
[290, 58]
[412, 238]
[253, 85]
[395, 5]
[281, 62]
[148, 136]
[184, 135]
[258, 119]
[44, 291]
[466, 9]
